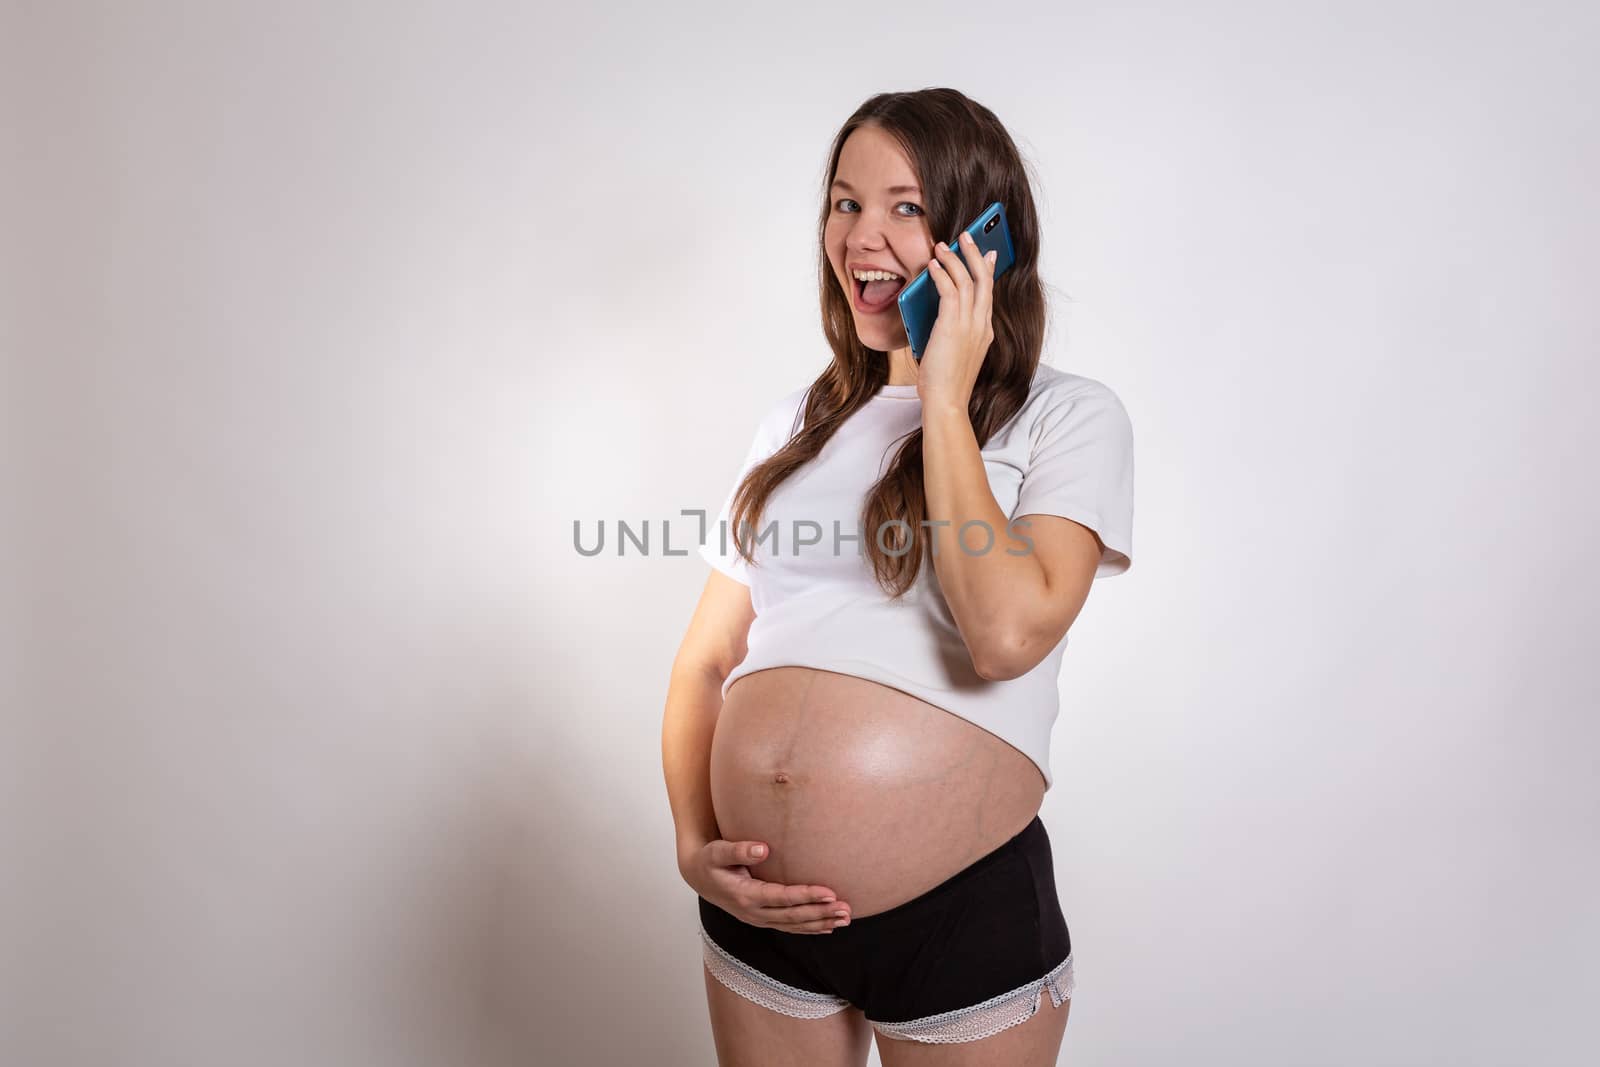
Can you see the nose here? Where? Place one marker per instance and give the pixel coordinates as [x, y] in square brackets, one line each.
[865, 235]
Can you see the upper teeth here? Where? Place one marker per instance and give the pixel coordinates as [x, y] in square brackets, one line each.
[875, 275]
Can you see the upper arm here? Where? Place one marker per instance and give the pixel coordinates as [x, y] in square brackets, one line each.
[1069, 553]
[1077, 499]
[719, 627]
[1081, 468]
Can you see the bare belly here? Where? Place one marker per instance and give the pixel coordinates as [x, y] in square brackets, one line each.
[862, 788]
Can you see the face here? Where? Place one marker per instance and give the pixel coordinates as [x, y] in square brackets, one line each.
[876, 221]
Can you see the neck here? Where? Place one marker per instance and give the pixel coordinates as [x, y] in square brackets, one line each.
[902, 368]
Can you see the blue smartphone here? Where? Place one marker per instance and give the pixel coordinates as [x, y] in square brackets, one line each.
[919, 301]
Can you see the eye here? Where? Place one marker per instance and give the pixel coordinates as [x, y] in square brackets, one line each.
[916, 208]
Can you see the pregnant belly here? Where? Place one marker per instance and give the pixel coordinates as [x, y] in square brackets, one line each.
[862, 788]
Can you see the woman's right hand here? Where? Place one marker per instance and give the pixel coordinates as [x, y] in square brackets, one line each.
[720, 872]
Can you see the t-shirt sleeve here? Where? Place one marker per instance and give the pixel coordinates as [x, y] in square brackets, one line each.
[1082, 469]
[773, 432]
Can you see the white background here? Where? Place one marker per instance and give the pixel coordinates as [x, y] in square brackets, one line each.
[325, 321]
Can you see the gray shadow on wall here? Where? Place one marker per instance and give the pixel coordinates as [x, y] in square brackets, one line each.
[552, 931]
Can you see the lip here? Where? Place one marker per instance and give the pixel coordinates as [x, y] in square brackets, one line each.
[873, 266]
[856, 287]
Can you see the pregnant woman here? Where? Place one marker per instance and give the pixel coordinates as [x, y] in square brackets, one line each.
[857, 730]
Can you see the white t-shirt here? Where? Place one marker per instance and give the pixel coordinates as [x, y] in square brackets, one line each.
[1068, 451]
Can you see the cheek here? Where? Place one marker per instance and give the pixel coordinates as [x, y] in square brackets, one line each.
[833, 247]
[920, 252]
[833, 242]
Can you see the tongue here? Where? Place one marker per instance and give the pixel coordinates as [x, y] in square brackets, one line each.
[878, 292]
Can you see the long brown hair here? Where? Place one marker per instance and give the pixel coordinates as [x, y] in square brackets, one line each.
[964, 160]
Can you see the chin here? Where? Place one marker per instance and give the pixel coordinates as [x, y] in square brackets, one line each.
[881, 340]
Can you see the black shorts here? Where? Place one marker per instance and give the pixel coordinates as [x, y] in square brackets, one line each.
[968, 958]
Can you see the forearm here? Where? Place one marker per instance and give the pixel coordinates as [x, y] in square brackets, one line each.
[988, 590]
[694, 700]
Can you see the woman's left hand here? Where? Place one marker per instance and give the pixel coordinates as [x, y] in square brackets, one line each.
[964, 328]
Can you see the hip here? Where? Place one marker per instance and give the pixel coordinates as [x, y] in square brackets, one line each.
[968, 958]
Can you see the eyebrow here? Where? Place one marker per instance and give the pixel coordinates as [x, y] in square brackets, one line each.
[840, 183]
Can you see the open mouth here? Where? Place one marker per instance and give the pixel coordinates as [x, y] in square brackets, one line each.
[876, 296]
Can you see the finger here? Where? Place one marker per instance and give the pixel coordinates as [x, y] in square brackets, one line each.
[816, 926]
[807, 920]
[807, 913]
[737, 853]
[941, 278]
[977, 266]
[956, 267]
[986, 274]
[778, 895]
[962, 275]
[982, 268]
[984, 301]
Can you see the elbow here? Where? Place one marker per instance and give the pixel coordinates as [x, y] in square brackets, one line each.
[1001, 661]
[701, 666]
[990, 673]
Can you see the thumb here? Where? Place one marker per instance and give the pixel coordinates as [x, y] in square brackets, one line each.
[738, 853]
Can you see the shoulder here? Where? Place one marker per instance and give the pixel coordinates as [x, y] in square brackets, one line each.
[1053, 387]
[783, 417]
[1058, 397]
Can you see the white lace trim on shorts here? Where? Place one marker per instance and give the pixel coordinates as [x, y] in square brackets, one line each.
[989, 1018]
[765, 990]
